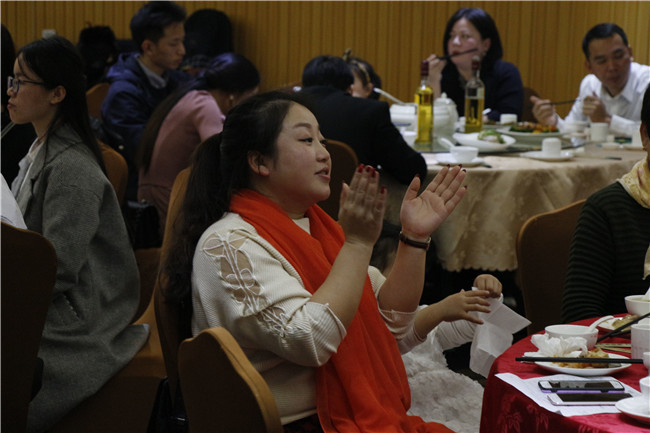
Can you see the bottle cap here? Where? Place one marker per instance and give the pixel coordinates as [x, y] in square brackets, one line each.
[476, 61]
[424, 68]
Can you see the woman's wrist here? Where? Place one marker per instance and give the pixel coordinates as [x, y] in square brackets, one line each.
[415, 241]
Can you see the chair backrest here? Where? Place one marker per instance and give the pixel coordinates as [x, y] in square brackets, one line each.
[95, 97]
[222, 390]
[28, 275]
[168, 314]
[527, 110]
[543, 246]
[116, 170]
[344, 162]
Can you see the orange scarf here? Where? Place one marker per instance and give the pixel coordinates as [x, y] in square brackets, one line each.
[363, 387]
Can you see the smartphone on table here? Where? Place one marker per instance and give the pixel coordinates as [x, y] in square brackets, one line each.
[587, 398]
[581, 385]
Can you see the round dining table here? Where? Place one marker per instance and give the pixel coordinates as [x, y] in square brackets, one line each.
[506, 189]
[507, 410]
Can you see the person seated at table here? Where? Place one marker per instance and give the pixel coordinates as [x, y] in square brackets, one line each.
[63, 193]
[473, 28]
[141, 80]
[612, 92]
[363, 124]
[184, 119]
[294, 287]
[610, 253]
[365, 77]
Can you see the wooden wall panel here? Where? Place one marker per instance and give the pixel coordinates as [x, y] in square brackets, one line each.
[543, 38]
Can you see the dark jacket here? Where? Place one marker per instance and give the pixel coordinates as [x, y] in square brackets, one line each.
[365, 125]
[128, 105]
[87, 336]
[504, 91]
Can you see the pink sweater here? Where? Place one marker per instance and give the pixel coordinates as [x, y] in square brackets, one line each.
[194, 118]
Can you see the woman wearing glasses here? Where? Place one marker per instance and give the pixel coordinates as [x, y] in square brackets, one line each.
[473, 28]
[64, 194]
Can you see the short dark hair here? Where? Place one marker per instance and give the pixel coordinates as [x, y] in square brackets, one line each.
[366, 73]
[151, 20]
[327, 71]
[485, 26]
[645, 110]
[602, 31]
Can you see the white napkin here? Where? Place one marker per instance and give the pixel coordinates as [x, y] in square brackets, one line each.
[494, 336]
[570, 347]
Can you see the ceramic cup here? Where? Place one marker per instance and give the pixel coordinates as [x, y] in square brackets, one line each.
[507, 119]
[409, 137]
[646, 361]
[640, 339]
[464, 154]
[551, 147]
[645, 387]
[599, 131]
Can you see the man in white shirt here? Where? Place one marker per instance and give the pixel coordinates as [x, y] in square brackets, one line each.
[612, 93]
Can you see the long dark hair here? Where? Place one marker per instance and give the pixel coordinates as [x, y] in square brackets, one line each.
[219, 169]
[56, 62]
[228, 72]
[485, 26]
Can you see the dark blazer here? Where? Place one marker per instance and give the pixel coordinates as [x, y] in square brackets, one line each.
[365, 125]
[87, 336]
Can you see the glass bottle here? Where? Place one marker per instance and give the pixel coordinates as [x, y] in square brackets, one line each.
[424, 102]
[474, 100]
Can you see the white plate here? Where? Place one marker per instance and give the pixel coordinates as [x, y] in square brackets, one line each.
[584, 371]
[447, 158]
[529, 137]
[636, 407]
[483, 146]
[565, 155]
[608, 324]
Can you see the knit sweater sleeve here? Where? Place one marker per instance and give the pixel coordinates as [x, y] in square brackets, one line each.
[242, 283]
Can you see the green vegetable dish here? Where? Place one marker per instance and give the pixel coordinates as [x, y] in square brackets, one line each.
[491, 135]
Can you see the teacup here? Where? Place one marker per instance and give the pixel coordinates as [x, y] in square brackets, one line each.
[409, 137]
[645, 387]
[464, 154]
[599, 131]
[640, 339]
[575, 126]
[507, 119]
[551, 147]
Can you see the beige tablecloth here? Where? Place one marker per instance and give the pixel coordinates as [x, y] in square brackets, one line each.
[481, 232]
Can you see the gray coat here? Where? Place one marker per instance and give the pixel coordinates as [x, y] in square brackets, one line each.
[87, 337]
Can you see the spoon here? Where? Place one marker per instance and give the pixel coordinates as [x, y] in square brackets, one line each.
[597, 322]
[446, 143]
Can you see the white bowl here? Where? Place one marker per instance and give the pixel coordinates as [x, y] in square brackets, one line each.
[635, 305]
[645, 387]
[565, 331]
[409, 137]
[464, 153]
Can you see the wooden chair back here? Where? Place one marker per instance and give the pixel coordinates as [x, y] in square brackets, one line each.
[344, 162]
[222, 390]
[95, 97]
[28, 275]
[116, 170]
[543, 246]
[168, 314]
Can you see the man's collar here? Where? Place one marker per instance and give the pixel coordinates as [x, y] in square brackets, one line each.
[156, 81]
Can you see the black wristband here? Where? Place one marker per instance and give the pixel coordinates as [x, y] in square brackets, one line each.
[416, 244]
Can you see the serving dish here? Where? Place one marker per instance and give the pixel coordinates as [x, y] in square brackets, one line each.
[585, 372]
[483, 146]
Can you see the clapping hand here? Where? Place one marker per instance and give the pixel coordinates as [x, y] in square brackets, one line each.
[362, 206]
[422, 213]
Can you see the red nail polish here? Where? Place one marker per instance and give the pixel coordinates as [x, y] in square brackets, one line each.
[360, 169]
[383, 189]
[369, 169]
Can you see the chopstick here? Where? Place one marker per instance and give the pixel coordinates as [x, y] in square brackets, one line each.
[449, 56]
[619, 330]
[570, 101]
[584, 360]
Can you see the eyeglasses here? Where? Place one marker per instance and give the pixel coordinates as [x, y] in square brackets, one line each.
[15, 83]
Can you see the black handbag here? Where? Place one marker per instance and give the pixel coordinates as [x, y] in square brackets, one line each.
[142, 224]
[167, 416]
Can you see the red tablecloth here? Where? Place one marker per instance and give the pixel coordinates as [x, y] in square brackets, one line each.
[505, 409]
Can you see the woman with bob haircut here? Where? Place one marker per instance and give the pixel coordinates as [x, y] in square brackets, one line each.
[473, 28]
